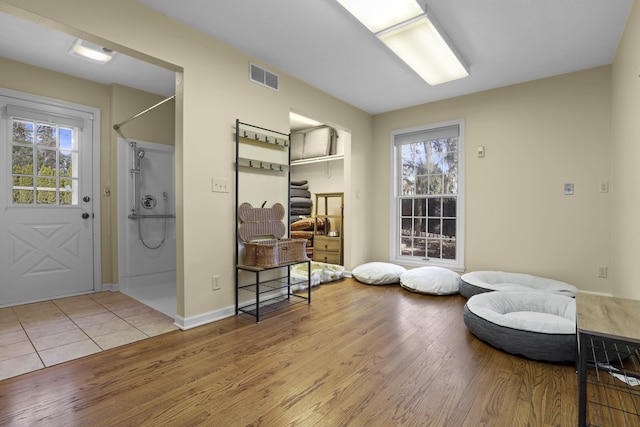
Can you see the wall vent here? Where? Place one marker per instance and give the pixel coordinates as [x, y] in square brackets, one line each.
[264, 77]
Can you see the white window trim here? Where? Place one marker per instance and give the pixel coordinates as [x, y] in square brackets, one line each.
[394, 247]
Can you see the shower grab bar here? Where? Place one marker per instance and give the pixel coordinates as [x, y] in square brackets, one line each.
[136, 216]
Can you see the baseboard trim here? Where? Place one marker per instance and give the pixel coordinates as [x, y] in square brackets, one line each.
[113, 287]
[602, 294]
[186, 323]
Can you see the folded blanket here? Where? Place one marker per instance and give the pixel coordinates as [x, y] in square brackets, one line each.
[298, 192]
[300, 211]
[301, 202]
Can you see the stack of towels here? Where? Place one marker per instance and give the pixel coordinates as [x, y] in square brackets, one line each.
[301, 221]
[301, 202]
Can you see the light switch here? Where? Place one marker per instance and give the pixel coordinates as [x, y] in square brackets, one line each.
[568, 189]
[481, 151]
[219, 185]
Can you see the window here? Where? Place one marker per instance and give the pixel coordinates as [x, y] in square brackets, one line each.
[44, 161]
[427, 198]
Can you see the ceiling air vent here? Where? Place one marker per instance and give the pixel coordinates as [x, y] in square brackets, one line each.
[263, 77]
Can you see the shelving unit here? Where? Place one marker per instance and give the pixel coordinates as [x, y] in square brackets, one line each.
[264, 154]
[608, 361]
[326, 248]
[268, 298]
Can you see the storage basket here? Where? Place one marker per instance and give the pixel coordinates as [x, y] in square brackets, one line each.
[251, 256]
[292, 250]
[268, 253]
[274, 252]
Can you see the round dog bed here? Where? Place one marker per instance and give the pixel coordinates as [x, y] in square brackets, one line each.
[431, 280]
[477, 282]
[537, 325]
[378, 273]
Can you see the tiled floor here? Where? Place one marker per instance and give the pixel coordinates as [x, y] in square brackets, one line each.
[34, 336]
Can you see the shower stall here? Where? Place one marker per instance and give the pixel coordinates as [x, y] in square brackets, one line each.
[146, 223]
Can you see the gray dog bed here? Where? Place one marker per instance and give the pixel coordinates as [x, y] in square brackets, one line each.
[477, 282]
[537, 325]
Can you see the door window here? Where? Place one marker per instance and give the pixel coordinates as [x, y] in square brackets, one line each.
[44, 163]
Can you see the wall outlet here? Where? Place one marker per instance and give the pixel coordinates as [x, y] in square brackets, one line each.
[604, 187]
[215, 283]
[602, 272]
[220, 185]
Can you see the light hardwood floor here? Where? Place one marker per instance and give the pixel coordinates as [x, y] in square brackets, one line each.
[358, 355]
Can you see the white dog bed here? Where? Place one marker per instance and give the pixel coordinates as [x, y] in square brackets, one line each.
[537, 325]
[320, 273]
[431, 280]
[478, 282]
[378, 273]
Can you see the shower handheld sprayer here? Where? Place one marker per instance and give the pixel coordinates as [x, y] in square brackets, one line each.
[148, 201]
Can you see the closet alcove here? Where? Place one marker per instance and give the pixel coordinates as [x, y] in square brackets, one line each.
[317, 168]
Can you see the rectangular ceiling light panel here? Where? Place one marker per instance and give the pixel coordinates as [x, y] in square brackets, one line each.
[404, 27]
[377, 15]
[423, 48]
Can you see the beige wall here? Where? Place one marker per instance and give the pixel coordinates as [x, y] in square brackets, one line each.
[625, 209]
[538, 136]
[213, 90]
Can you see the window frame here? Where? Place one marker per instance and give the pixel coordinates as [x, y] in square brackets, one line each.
[59, 150]
[395, 217]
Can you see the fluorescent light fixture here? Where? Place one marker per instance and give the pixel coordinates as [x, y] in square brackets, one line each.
[92, 52]
[377, 15]
[416, 38]
[424, 49]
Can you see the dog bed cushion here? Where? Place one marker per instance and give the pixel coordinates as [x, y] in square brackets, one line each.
[537, 325]
[378, 273]
[320, 273]
[477, 282]
[297, 146]
[431, 280]
[302, 224]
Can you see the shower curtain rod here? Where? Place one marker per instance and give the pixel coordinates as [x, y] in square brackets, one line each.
[117, 125]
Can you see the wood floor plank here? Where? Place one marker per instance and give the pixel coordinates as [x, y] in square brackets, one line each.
[358, 355]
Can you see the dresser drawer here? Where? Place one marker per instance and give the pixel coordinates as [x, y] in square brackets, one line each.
[328, 257]
[329, 244]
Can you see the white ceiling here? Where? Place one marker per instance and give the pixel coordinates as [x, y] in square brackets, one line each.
[31, 43]
[504, 42]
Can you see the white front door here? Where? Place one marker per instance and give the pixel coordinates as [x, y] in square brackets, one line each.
[46, 201]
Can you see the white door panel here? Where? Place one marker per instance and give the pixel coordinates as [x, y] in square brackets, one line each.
[47, 244]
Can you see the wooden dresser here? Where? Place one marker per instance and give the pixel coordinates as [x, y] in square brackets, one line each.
[327, 248]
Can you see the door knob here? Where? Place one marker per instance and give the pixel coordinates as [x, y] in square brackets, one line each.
[85, 215]
[86, 199]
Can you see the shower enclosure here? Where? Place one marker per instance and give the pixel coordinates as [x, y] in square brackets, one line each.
[146, 223]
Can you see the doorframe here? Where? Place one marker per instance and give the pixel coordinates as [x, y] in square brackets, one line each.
[95, 166]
